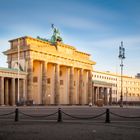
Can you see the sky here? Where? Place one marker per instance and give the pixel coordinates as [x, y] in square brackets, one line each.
[96, 27]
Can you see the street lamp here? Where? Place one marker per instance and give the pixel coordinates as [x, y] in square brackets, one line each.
[121, 57]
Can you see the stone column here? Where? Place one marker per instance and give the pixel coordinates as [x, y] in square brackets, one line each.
[1, 90]
[110, 96]
[97, 95]
[105, 96]
[94, 94]
[100, 92]
[6, 92]
[89, 87]
[81, 86]
[24, 90]
[30, 80]
[71, 91]
[57, 84]
[44, 84]
[13, 92]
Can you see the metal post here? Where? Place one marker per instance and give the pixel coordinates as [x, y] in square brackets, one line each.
[107, 120]
[16, 115]
[121, 96]
[18, 70]
[121, 57]
[59, 115]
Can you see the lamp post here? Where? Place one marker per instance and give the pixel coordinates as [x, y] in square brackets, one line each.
[121, 57]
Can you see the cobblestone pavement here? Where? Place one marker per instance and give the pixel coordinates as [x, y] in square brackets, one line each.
[68, 131]
[40, 129]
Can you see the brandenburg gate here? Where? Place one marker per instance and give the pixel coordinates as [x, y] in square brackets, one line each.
[56, 73]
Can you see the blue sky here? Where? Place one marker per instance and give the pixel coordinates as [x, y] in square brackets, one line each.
[93, 26]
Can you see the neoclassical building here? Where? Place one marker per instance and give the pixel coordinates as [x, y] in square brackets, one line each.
[8, 86]
[55, 73]
[107, 83]
[104, 87]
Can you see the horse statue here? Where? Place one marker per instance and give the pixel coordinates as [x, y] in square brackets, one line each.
[56, 35]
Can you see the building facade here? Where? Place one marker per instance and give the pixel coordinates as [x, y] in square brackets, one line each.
[108, 84]
[8, 86]
[56, 73]
[104, 87]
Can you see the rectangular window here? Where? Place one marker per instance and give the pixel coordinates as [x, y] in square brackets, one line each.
[74, 83]
[60, 73]
[35, 79]
[48, 80]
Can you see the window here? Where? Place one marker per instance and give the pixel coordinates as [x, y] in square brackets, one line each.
[74, 83]
[48, 80]
[60, 73]
[35, 79]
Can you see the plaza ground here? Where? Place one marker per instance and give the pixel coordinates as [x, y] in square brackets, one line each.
[70, 129]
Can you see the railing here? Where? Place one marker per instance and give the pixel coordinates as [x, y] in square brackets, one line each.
[60, 114]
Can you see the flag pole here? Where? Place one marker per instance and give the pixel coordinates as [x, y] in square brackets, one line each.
[18, 71]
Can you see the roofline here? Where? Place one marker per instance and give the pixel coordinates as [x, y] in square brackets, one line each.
[12, 70]
[113, 74]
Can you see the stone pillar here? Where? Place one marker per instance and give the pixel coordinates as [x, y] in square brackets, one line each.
[30, 80]
[13, 92]
[6, 92]
[57, 84]
[1, 90]
[100, 92]
[81, 86]
[24, 90]
[110, 96]
[44, 84]
[95, 94]
[89, 87]
[71, 91]
[105, 96]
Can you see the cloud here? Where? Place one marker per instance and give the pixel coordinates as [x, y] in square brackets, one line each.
[130, 42]
[79, 23]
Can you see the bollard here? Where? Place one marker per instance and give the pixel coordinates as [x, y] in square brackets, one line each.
[59, 115]
[107, 120]
[16, 115]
